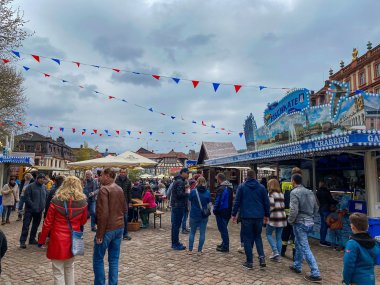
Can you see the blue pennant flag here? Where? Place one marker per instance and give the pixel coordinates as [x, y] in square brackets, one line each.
[173, 117]
[150, 109]
[216, 86]
[135, 72]
[194, 122]
[173, 133]
[106, 131]
[61, 129]
[36, 126]
[64, 81]
[241, 134]
[109, 135]
[359, 91]
[30, 125]
[124, 100]
[262, 87]
[16, 53]
[150, 133]
[97, 66]
[26, 68]
[56, 60]
[96, 91]
[212, 126]
[217, 132]
[129, 132]
[84, 130]
[176, 80]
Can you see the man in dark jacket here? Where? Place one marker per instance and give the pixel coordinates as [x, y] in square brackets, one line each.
[178, 202]
[325, 201]
[91, 190]
[222, 210]
[125, 184]
[35, 199]
[253, 202]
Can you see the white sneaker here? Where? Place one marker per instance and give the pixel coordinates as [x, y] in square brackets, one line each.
[274, 256]
[241, 250]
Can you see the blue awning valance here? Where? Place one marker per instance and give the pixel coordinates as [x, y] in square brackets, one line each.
[17, 160]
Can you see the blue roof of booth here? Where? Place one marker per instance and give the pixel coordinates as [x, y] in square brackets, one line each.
[310, 147]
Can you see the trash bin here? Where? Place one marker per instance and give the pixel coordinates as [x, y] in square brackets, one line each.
[374, 230]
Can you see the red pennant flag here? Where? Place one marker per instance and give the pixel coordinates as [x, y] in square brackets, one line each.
[77, 63]
[163, 114]
[5, 60]
[46, 75]
[140, 132]
[83, 133]
[73, 130]
[51, 128]
[100, 135]
[19, 123]
[95, 131]
[228, 133]
[195, 83]
[203, 123]
[156, 76]
[115, 69]
[118, 132]
[111, 97]
[237, 88]
[36, 57]
[222, 129]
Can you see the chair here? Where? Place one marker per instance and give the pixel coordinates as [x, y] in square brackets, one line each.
[157, 215]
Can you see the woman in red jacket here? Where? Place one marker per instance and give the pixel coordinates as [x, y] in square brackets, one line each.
[56, 223]
[148, 198]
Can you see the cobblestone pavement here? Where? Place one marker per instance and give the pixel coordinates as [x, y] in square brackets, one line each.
[148, 259]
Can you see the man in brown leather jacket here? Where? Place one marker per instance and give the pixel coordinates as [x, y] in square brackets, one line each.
[110, 208]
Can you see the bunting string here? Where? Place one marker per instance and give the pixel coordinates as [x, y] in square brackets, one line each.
[110, 97]
[175, 80]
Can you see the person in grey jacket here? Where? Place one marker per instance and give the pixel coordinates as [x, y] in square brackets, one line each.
[303, 208]
[35, 199]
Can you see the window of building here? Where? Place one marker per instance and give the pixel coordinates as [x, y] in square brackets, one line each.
[37, 161]
[377, 90]
[322, 99]
[313, 102]
[372, 123]
[377, 70]
[22, 147]
[361, 79]
[38, 146]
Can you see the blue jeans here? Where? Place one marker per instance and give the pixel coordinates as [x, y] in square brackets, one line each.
[194, 224]
[222, 224]
[92, 210]
[303, 249]
[125, 233]
[276, 245]
[111, 241]
[336, 237]
[184, 219]
[177, 216]
[324, 227]
[251, 232]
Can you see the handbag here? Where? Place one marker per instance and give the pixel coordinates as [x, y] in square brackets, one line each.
[205, 212]
[77, 242]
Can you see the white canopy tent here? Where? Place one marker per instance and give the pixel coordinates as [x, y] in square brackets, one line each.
[128, 159]
[144, 176]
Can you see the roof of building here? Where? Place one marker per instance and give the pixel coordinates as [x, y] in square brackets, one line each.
[211, 150]
[36, 137]
[172, 154]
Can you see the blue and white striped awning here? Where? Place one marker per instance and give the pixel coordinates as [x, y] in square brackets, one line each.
[17, 160]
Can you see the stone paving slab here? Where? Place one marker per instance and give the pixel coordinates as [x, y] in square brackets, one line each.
[148, 259]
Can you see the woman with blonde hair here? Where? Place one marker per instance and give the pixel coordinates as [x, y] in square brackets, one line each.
[277, 219]
[70, 195]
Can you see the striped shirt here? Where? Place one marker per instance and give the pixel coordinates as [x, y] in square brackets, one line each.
[277, 210]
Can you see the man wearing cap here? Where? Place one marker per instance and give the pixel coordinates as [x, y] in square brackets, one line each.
[178, 202]
[35, 199]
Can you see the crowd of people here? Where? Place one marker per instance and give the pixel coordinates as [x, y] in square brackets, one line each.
[286, 213]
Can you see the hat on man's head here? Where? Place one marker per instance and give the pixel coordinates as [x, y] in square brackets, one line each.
[40, 175]
[184, 170]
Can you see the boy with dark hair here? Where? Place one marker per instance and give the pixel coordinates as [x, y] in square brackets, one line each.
[361, 253]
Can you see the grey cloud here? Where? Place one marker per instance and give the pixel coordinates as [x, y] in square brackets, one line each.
[138, 79]
[118, 49]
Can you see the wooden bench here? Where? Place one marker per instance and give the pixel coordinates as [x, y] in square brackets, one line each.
[157, 215]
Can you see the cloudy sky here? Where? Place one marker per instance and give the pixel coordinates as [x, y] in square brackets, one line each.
[279, 43]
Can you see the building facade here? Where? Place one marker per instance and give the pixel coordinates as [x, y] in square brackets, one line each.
[50, 154]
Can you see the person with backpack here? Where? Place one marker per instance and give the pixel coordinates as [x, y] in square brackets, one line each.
[199, 199]
[222, 210]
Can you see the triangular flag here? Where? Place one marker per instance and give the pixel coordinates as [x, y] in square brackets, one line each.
[56, 60]
[106, 131]
[77, 63]
[163, 114]
[111, 97]
[51, 128]
[129, 132]
[74, 130]
[241, 134]
[118, 132]
[95, 131]
[150, 133]
[140, 132]
[5, 60]
[83, 133]
[150, 109]
[84, 130]
[26, 68]
[173, 133]
[97, 92]
[134, 72]
[80, 86]
[64, 81]
[156, 76]
[173, 117]
[184, 133]
[97, 66]
[176, 80]
[215, 85]
[116, 70]
[124, 100]
[46, 75]
[237, 88]
[36, 57]
[194, 122]
[16, 53]
[61, 129]
[30, 125]
[100, 135]
[212, 126]
[195, 83]
[19, 123]
[203, 123]
[222, 129]
[262, 87]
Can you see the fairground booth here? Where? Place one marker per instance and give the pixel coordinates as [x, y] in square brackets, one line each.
[338, 143]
